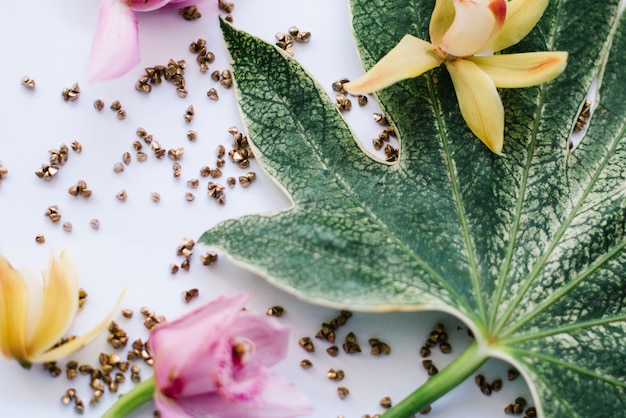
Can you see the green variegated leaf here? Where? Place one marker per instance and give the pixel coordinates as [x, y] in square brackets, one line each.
[527, 249]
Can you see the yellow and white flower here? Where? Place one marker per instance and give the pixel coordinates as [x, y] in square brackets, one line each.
[463, 33]
[36, 314]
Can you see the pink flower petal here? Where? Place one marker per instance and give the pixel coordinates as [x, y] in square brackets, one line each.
[279, 399]
[146, 5]
[170, 408]
[115, 49]
[241, 384]
[269, 336]
[151, 5]
[179, 4]
[195, 374]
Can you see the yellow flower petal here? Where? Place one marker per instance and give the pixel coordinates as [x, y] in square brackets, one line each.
[13, 311]
[522, 70]
[79, 342]
[479, 102]
[475, 23]
[521, 17]
[410, 58]
[441, 20]
[35, 300]
[60, 304]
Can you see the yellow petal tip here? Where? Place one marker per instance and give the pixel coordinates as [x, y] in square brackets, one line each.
[410, 58]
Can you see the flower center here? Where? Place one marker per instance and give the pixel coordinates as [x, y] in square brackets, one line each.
[444, 55]
[242, 349]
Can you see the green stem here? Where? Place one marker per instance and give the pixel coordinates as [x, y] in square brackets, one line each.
[440, 384]
[127, 403]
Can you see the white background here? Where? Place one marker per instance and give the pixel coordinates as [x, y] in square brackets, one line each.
[50, 42]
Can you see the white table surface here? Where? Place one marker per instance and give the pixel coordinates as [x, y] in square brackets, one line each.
[137, 240]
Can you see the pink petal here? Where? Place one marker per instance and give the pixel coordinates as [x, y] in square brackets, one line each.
[170, 408]
[179, 4]
[151, 5]
[146, 5]
[189, 351]
[242, 384]
[279, 399]
[115, 49]
[270, 337]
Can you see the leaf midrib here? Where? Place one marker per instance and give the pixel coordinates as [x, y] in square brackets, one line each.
[454, 186]
[456, 195]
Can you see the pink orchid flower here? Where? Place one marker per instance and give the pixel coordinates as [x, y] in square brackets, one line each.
[213, 362]
[115, 49]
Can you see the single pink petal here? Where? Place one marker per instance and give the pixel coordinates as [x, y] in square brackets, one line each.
[188, 351]
[151, 5]
[146, 5]
[115, 49]
[279, 399]
[270, 337]
[171, 408]
[179, 4]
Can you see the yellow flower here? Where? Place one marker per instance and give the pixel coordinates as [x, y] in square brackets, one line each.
[35, 315]
[459, 30]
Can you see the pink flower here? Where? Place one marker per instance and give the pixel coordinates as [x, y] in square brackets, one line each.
[115, 49]
[213, 362]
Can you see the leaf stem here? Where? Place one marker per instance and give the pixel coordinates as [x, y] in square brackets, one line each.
[127, 403]
[447, 379]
